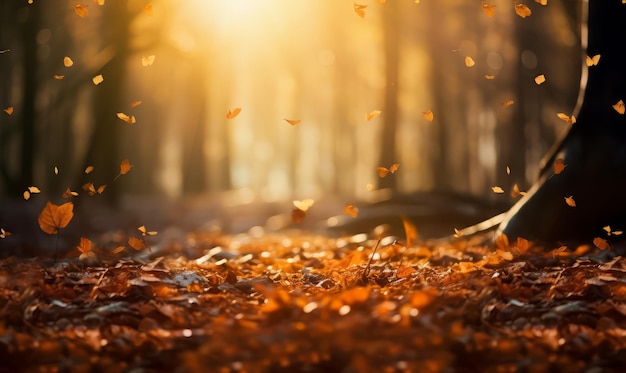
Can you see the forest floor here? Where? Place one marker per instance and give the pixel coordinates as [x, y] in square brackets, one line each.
[296, 301]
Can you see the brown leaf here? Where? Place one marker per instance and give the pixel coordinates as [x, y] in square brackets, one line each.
[85, 245]
[297, 215]
[410, 231]
[54, 217]
[136, 243]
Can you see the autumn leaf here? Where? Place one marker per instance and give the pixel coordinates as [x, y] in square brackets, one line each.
[4, 234]
[601, 243]
[619, 107]
[304, 204]
[58, 77]
[33, 190]
[394, 167]
[542, 2]
[372, 114]
[54, 217]
[570, 201]
[56, 170]
[136, 243]
[351, 210]
[147, 60]
[610, 232]
[99, 2]
[69, 193]
[515, 191]
[97, 79]
[359, 9]
[85, 245]
[382, 171]
[559, 166]
[469, 61]
[522, 245]
[489, 9]
[522, 10]
[592, 61]
[496, 189]
[118, 249]
[26, 195]
[405, 271]
[566, 118]
[145, 232]
[428, 115]
[297, 215]
[489, 77]
[134, 104]
[125, 166]
[89, 169]
[128, 119]
[232, 114]
[410, 231]
[508, 170]
[293, 122]
[67, 62]
[81, 10]
[8, 110]
[507, 103]
[502, 242]
[540, 79]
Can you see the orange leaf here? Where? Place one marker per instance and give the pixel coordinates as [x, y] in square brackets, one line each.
[428, 115]
[118, 249]
[97, 79]
[147, 9]
[69, 193]
[540, 79]
[33, 190]
[522, 10]
[592, 61]
[542, 2]
[67, 62]
[559, 166]
[489, 9]
[297, 215]
[502, 242]
[405, 271]
[372, 114]
[128, 119]
[26, 195]
[410, 231]
[570, 201]
[89, 169]
[232, 114]
[515, 192]
[134, 104]
[136, 243]
[293, 122]
[4, 234]
[99, 2]
[351, 210]
[58, 77]
[469, 61]
[147, 60]
[81, 10]
[566, 118]
[382, 171]
[489, 77]
[601, 243]
[54, 217]
[394, 167]
[522, 245]
[85, 245]
[145, 232]
[8, 110]
[359, 9]
[507, 103]
[619, 107]
[498, 190]
[101, 188]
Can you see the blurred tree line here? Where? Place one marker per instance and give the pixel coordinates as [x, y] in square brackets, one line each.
[314, 61]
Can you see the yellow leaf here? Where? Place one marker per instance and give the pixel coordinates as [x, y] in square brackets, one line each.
[54, 217]
[522, 10]
[147, 9]
[469, 61]
[507, 103]
[128, 119]
[305, 204]
[496, 189]
[33, 190]
[508, 170]
[134, 104]
[89, 169]
[489, 77]
[351, 210]
[570, 201]
[293, 122]
[359, 9]
[601, 243]
[56, 170]
[232, 114]
[372, 114]
[559, 166]
[97, 79]
[489, 9]
[99, 2]
[428, 115]
[8, 110]
[136, 243]
[592, 61]
[566, 118]
[540, 79]
[147, 60]
[26, 195]
[85, 245]
[81, 10]
[67, 62]
[59, 77]
[619, 107]
[410, 231]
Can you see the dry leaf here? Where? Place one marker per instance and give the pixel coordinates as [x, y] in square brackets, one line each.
[81, 10]
[359, 9]
[428, 115]
[97, 79]
[147, 60]
[54, 217]
[502, 242]
[293, 122]
[67, 62]
[101, 188]
[489, 9]
[508, 170]
[304, 205]
[458, 233]
[507, 103]
[136, 243]
[89, 169]
[128, 119]
[522, 245]
[125, 166]
[382, 171]
[372, 114]
[69, 193]
[351, 210]
[566, 118]
[496, 189]
[469, 62]
[489, 77]
[405, 271]
[99, 2]
[26, 195]
[522, 10]
[118, 249]
[570, 201]
[601, 243]
[542, 2]
[134, 104]
[410, 231]
[56, 170]
[8, 110]
[540, 79]
[619, 107]
[85, 245]
[232, 114]
[33, 190]
[394, 167]
[592, 61]
[297, 215]
[145, 232]
[148, 9]
[559, 166]
[4, 234]
[59, 77]
[515, 191]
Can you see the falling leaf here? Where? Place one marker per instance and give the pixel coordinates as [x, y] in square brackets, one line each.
[559, 166]
[592, 61]
[458, 233]
[297, 215]
[56, 170]
[136, 243]
[118, 249]
[145, 232]
[619, 107]
[8, 110]
[89, 169]
[610, 232]
[570, 201]
[125, 166]
[351, 210]
[489, 9]
[85, 245]
[147, 60]
[540, 79]
[515, 191]
[99, 2]
[542, 2]
[373, 114]
[148, 9]
[382, 171]
[67, 62]
[69, 193]
[507, 103]
[410, 231]
[33, 190]
[502, 242]
[97, 79]
[4, 234]
[232, 114]
[128, 119]
[54, 217]
[566, 118]
[59, 77]
[293, 122]
[81, 10]
[522, 10]
[508, 170]
[101, 188]
[394, 167]
[134, 104]
[359, 9]
[601, 243]
[428, 115]
[496, 189]
[26, 195]
[304, 205]
[489, 77]
[469, 61]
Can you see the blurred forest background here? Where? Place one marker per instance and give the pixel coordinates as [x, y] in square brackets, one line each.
[310, 60]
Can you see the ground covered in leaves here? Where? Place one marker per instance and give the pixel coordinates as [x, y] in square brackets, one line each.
[296, 302]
